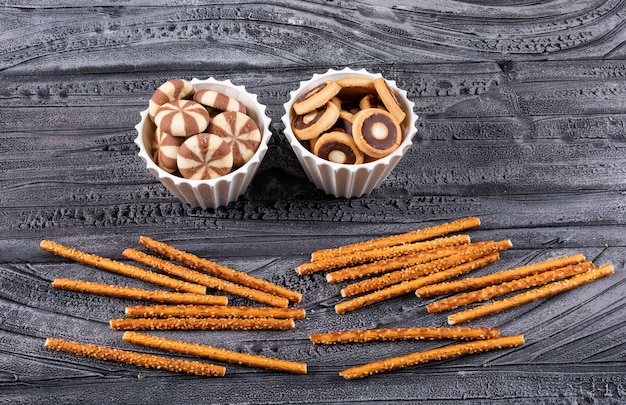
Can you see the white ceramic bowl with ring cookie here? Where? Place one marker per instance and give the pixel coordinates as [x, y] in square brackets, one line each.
[203, 139]
[349, 129]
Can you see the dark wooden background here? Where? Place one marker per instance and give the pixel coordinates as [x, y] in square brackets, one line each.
[523, 123]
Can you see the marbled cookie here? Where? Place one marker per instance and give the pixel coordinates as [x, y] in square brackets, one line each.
[314, 123]
[219, 101]
[376, 132]
[338, 147]
[182, 118]
[204, 156]
[386, 95]
[316, 97]
[165, 150]
[240, 131]
[175, 89]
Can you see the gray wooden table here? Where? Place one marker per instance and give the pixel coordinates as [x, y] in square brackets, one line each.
[523, 124]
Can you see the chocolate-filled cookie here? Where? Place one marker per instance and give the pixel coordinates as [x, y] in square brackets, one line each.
[376, 132]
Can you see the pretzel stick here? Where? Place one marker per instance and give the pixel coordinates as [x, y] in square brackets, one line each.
[214, 353]
[205, 279]
[406, 287]
[377, 335]
[441, 353]
[531, 295]
[139, 294]
[395, 263]
[201, 324]
[135, 359]
[208, 311]
[218, 270]
[409, 237]
[499, 277]
[510, 286]
[121, 268]
[410, 273]
[352, 259]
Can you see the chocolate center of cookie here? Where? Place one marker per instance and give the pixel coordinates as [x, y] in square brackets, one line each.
[337, 153]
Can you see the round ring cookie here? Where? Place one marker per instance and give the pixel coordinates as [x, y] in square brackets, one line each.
[344, 122]
[182, 118]
[314, 123]
[389, 99]
[204, 156]
[316, 97]
[371, 101]
[165, 150]
[240, 131]
[338, 147]
[175, 89]
[376, 132]
[219, 101]
[355, 87]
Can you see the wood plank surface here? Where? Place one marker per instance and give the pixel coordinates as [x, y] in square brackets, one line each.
[522, 110]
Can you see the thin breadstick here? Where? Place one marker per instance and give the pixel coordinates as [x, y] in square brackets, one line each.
[472, 252]
[499, 277]
[500, 289]
[406, 287]
[384, 334]
[214, 353]
[218, 270]
[408, 237]
[531, 295]
[353, 259]
[159, 296]
[441, 353]
[121, 268]
[208, 311]
[135, 359]
[204, 279]
[395, 263]
[201, 324]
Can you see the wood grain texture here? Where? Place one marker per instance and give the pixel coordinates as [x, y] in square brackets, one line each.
[522, 123]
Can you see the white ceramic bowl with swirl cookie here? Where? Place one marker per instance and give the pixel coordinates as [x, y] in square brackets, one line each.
[220, 191]
[341, 179]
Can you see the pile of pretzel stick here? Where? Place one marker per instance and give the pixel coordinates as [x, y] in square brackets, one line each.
[432, 262]
[181, 303]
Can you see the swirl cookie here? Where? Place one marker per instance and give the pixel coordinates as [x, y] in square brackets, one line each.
[376, 132]
[315, 122]
[175, 89]
[240, 131]
[386, 95]
[182, 118]
[204, 156]
[219, 101]
[316, 97]
[338, 147]
[165, 150]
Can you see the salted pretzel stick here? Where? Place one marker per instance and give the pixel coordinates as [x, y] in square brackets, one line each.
[500, 289]
[408, 237]
[139, 294]
[531, 295]
[209, 311]
[351, 259]
[135, 359]
[218, 270]
[121, 268]
[395, 263]
[440, 353]
[204, 279]
[201, 324]
[214, 353]
[384, 334]
[473, 252]
[406, 287]
[499, 277]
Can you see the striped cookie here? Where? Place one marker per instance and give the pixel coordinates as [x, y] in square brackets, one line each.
[182, 118]
[204, 156]
[175, 89]
[240, 131]
[219, 101]
[165, 150]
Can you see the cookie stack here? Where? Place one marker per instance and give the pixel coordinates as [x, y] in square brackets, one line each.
[350, 120]
[201, 134]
